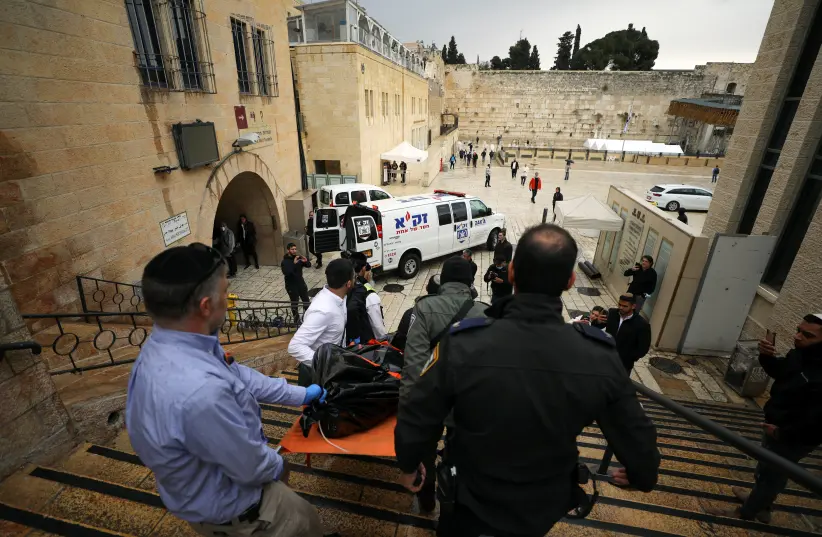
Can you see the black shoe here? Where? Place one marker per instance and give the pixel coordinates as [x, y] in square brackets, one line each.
[257, 267]
[248, 267]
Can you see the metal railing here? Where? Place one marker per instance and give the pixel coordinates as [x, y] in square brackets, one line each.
[100, 296]
[33, 346]
[93, 340]
[792, 470]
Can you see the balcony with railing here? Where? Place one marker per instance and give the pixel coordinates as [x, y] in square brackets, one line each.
[343, 21]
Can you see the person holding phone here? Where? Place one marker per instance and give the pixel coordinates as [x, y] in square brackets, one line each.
[292, 267]
[643, 280]
[793, 415]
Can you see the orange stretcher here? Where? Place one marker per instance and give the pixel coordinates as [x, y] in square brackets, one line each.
[376, 442]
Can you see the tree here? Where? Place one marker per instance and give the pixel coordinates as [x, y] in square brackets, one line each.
[562, 61]
[497, 64]
[460, 59]
[453, 55]
[478, 62]
[576, 39]
[534, 60]
[520, 55]
[623, 50]
[444, 54]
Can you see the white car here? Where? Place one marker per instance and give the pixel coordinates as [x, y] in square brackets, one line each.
[672, 197]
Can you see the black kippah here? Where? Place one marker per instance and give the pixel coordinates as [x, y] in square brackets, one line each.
[181, 265]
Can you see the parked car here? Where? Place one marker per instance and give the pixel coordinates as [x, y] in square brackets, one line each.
[672, 197]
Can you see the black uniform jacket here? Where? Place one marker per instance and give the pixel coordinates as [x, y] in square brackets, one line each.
[633, 338]
[522, 385]
[795, 405]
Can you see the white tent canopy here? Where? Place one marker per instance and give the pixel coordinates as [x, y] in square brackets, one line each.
[642, 147]
[405, 152]
[587, 212]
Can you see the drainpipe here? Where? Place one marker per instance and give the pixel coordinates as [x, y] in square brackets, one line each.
[303, 169]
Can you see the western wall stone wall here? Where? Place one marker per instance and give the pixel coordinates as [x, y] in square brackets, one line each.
[564, 108]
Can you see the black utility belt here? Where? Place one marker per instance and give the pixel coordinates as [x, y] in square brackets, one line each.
[249, 515]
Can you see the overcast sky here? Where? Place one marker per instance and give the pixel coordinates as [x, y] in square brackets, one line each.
[689, 32]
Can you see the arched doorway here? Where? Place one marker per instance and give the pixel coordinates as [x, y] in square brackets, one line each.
[249, 194]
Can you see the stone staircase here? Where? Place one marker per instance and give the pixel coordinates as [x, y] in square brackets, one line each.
[104, 490]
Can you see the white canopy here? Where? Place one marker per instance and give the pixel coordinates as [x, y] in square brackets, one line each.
[587, 212]
[406, 152]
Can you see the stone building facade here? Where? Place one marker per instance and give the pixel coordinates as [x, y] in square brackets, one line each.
[86, 118]
[564, 108]
[90, 92]
[771, 183]
[361, 92]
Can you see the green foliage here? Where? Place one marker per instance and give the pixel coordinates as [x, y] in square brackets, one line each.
[498, 64]
[625, 50]
[576, 39]
[444, 54]
[520, 55]
[460, 59]
[562, 61]
[534, 59]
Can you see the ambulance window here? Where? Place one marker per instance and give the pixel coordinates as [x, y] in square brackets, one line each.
[358, 196]
[460, 213]
[326, 218]
[365, 228]
[325, 197]
[377, 195]
[342, 199]
[444, 212]
[478, 209]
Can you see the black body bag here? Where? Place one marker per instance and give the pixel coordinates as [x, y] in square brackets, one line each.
[361, 393]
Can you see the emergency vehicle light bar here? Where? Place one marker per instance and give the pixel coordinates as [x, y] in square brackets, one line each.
[457, 194]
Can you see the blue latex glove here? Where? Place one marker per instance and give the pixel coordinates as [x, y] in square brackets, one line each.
[314, 392]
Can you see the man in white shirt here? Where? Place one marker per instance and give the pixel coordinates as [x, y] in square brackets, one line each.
[324, 321]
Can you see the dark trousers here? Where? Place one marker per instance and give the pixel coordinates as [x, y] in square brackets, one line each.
[487, 180]
[522, 180]
[461, 522]
[402, 173]
[311, 249]
[714, 178]
[232, 265]
[296, 293]
[513, 173]
[452, 165]
[534, 195]
[770, 481]
[249, 251]
[567, 174]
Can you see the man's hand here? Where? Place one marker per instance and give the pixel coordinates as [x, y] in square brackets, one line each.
[766, 348]
[314, 392]
[771, 430]
[413, 481]
[619, 477]
[297, 259]
[497, 280]
[583, 321]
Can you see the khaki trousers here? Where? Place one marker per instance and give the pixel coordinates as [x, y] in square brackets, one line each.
[282, 514]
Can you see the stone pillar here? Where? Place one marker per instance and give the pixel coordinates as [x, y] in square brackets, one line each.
[34, 423]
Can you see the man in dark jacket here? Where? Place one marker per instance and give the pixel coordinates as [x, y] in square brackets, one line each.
[498, 379]
[504, 248]
[401, 335]
[431, 317]
[309, 230]
[557, 197]
[497, 276]
[643, 282]
[292, 267]
[248, 241]
[793, 416]
[631, 332]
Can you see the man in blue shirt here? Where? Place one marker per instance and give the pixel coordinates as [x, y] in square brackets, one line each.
[192, 413]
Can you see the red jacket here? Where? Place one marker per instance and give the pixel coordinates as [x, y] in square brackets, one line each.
[535, 184]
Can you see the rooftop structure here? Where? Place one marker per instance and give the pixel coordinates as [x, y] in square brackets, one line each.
[344, 21]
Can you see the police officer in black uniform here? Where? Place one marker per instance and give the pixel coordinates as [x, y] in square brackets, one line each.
[522, 384]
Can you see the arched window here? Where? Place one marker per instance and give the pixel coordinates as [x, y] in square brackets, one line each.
[365, 30]
[731, 89]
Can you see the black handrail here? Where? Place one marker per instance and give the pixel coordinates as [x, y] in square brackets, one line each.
[790, 469]
[33, 346]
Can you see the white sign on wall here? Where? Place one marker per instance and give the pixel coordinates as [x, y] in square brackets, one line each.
[175, 228]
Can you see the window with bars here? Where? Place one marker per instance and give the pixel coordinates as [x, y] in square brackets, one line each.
[171, 44]
[264, 62]
[239, 30]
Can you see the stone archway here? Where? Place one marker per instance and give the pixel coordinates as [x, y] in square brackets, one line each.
[247, 193]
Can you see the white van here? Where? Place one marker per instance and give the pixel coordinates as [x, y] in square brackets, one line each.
[401, 233]
[341, 196]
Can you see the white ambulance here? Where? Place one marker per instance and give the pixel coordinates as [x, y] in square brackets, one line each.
[401, 233]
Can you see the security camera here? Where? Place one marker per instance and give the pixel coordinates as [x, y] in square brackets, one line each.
[246, 140]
